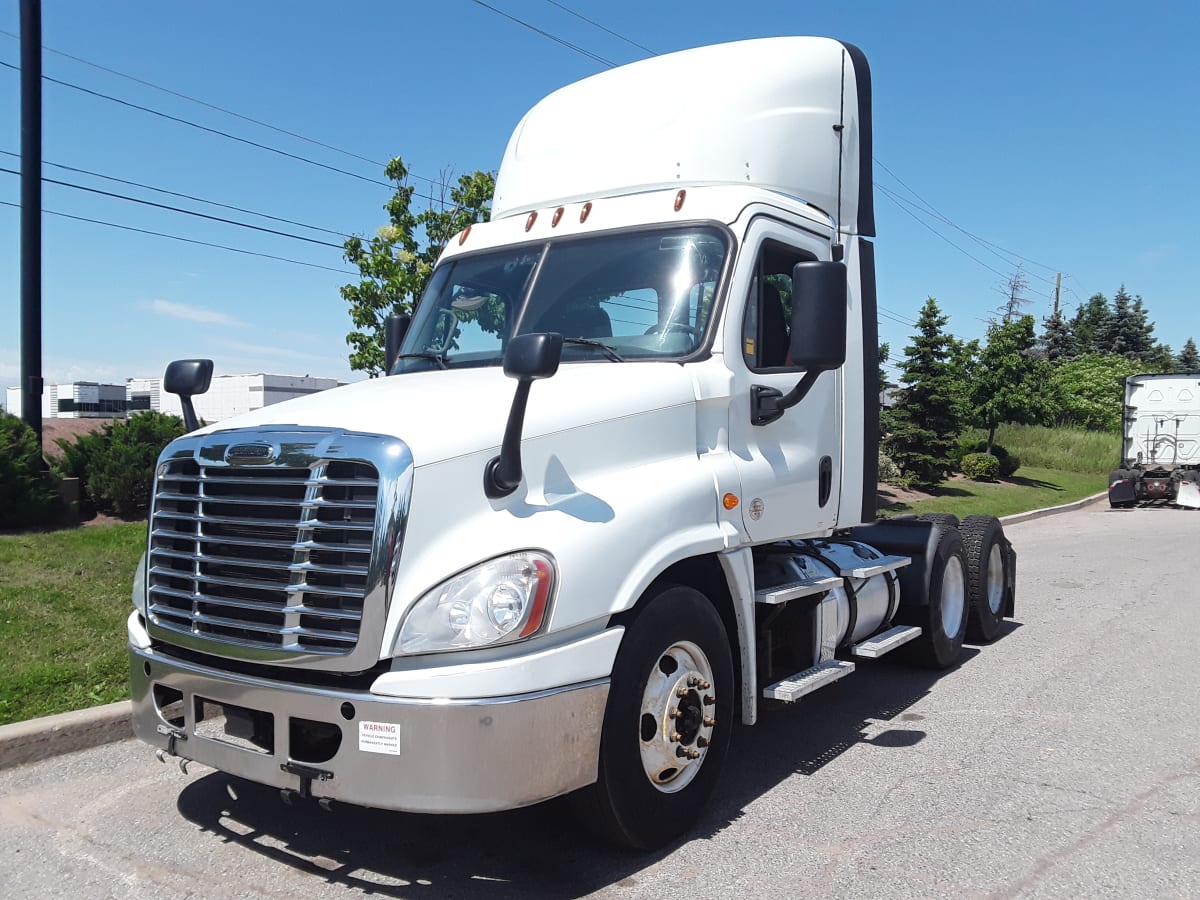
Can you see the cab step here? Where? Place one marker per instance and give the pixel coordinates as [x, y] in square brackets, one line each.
[887, 641]
[876, 567]
[796, 686]
[793, 590]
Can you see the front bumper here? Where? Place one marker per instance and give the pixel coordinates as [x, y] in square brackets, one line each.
[437, 756]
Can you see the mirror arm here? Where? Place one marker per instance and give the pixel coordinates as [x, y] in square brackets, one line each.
[503, 473]
[768, 404]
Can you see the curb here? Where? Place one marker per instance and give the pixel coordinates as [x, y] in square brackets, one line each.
[38, 739]
[1052, 510]
[82, 729]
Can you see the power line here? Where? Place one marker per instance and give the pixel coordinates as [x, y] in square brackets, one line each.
[896, 200]
[179, 209]
[929, 208]
[584, 18]
[205, 103]
[168, 193]
[546, 34]
[176, 237]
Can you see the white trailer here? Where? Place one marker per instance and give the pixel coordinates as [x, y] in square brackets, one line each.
[428, 592]
[1160, 442]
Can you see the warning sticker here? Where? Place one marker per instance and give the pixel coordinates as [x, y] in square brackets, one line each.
[379, 737]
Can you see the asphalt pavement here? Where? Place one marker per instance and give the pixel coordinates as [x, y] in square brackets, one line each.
[1063, 760]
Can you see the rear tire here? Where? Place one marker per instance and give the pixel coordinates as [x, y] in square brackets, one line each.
[667, 723]
[944, 621]
[987, 577]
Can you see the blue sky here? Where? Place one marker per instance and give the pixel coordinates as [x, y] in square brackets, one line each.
[1062, 132]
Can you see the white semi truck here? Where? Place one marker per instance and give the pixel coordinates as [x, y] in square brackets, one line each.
[1160, 442]
[445, 591]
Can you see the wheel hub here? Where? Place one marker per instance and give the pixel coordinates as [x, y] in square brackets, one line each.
[677, 717]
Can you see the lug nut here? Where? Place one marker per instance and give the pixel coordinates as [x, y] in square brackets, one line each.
[682, 692]
[701, 742]
[675, 736]
[704, 685]
[693, 754]
[674, 714]
[709, 701]
[709, 721]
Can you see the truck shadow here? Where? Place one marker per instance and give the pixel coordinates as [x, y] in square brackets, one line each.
[540, 851]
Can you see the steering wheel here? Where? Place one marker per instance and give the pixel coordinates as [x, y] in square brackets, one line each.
[670, 326]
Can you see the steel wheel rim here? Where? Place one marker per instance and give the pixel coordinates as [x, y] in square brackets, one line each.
[677, 717]
[995, 579]
[954, 596]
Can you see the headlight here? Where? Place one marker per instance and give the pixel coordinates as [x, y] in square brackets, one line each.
[139, 586]
[496, 602]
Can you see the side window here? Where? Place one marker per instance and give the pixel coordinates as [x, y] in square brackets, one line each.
[766, 323]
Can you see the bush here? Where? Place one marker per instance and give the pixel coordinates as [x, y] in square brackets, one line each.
[27, 493]
[968, 445]
[888, 470]
[75, 458]
[116, 464]
[980, 466]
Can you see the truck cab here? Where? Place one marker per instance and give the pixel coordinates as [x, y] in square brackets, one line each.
[616, 490]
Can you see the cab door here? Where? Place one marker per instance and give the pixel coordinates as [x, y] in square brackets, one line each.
[790, 468]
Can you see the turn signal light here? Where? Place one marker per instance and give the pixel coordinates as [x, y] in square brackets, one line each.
[730, 501]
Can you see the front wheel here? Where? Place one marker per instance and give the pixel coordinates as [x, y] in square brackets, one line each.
[987, 577]
[667, 724]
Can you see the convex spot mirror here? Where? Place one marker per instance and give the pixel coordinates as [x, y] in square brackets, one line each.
[818, 340]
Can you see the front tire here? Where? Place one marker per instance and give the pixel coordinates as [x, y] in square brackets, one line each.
[667, 723]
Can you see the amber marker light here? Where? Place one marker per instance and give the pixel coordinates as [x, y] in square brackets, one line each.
[730, 501]
[557, 217]
[532, 218]
[679, 198]
[585, 212]
[462, 238]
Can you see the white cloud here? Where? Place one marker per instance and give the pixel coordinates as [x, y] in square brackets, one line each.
[190, 313]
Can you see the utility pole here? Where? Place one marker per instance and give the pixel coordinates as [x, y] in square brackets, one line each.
[31, 215]
[1057, 289]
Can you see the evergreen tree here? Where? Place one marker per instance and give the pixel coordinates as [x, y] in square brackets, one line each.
[1089, 320]
[1126, 332]
[1188, 359]
[1010, 383]
[923, 425]
[1057, 340]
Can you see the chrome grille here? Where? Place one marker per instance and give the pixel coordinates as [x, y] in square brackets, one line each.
[274, 557]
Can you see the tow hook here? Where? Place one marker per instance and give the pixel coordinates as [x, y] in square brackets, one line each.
[307, 775]
[174, 735]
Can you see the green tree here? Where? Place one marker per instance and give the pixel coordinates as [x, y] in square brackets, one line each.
[1089, 390]
[921, 428]
[395, 265]
[1010, 383]
[1088, 322]
[26, 493]
[1057, 340]
[964, 359]
[1127, 332]
[1188, 359]
[118, 461]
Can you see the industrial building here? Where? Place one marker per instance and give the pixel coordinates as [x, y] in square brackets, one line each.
[229, 395]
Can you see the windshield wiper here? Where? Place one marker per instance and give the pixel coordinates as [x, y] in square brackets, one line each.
[602, 347]
[436, 357]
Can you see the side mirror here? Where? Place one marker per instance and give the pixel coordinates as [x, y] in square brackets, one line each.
[187, 378]
[818, 315]
[527, 358]
[395, 327]
[818, 339]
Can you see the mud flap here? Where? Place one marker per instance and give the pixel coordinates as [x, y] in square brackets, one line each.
[1188, 495]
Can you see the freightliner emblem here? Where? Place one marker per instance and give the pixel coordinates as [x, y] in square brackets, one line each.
[250, 453]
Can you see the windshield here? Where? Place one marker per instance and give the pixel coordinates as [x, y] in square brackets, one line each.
[642, 295]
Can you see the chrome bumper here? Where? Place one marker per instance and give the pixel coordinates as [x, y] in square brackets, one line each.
[437, 756]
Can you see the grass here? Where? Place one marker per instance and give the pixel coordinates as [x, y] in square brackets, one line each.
[64, 597]
[1030, 488]
[1061, 449]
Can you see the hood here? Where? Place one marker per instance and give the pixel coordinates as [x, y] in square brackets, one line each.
[444, 414]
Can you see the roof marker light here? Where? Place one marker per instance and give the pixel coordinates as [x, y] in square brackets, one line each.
[679, 198]
[462, 238]
[557, 216]
[532, 218]
[585, 212]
